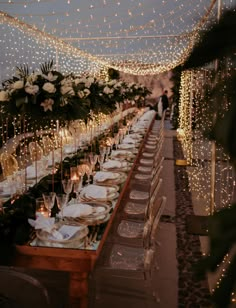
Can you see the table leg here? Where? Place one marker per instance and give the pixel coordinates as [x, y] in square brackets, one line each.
[78, 290]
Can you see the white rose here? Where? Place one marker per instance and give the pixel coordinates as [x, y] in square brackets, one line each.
[4, 96]
[18, 85]
[91, 79]
[32, 89]
[67, 90]
[49, 87]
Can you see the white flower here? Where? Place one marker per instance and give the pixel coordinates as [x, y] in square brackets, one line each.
[4, 96]
[31, 89]
[18, 85]
[107, 90]
[136, 98]
[112, 82]
[49, 87]
[90, 79]
[47, 104]
[66, 82]
[77, 81]
[86, 92]
[67, 90]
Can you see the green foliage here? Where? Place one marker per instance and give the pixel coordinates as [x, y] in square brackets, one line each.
[113, 74]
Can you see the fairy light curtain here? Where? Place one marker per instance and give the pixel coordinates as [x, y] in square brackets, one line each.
[195, 124]
[145, 37]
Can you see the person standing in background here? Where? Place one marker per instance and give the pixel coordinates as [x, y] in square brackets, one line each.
[165, 101]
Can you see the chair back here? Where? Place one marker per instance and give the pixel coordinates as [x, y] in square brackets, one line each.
[36, 152]
[19, 289]
[9, 164]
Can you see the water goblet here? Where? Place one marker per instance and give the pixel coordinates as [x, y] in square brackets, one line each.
[49, 200]
[77, 186]
[62, 200]
[101, 160]
[67, 186]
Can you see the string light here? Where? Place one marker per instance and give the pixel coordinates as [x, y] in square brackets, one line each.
[151, 60]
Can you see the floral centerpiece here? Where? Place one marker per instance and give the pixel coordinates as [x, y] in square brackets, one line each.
[43, 95]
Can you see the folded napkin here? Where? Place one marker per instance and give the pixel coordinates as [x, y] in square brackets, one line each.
[110, 164]
[129, 140]
[121, 152]
[45, 224]
[31, 170]
[102, 176]
[124, 146]
[77, 210]
[97, 192]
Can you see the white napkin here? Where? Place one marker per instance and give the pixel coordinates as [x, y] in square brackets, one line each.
[31, 170]
[96, 192]
[114, 164]
[77, 210]
[128, 139]
[45, 224]
[126, 146]
[102, 176]
[120, 152]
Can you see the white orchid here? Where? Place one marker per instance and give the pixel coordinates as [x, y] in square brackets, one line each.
[31, 89]
[47, 104]
[67, 90]
[81, 94]
[32, 78]
[50, 76]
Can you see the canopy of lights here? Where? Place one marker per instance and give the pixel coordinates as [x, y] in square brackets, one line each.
[137, 37]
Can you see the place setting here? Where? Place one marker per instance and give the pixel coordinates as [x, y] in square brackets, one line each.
[109, 178]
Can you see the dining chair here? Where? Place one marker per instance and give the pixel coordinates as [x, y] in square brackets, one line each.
[19, 289]
[35, 150]
[124, 272]
[9, 164]
[124, 278]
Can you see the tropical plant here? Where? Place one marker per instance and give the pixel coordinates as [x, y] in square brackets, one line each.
[219, 42]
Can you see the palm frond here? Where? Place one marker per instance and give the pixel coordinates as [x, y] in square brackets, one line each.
[22, 71]
[46, 67]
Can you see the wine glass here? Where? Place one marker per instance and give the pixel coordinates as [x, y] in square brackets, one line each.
[67, 186]
[49, 200]
[77, 186]
[62, 200]
[93, 158]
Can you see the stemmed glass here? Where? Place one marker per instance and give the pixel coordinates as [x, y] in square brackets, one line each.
[62, 200]
[77, 186]
[93, 158]
[67, 186]
[49, 200]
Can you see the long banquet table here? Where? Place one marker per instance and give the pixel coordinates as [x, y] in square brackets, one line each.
[78, 262]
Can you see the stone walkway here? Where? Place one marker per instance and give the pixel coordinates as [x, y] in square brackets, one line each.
[179, 251]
